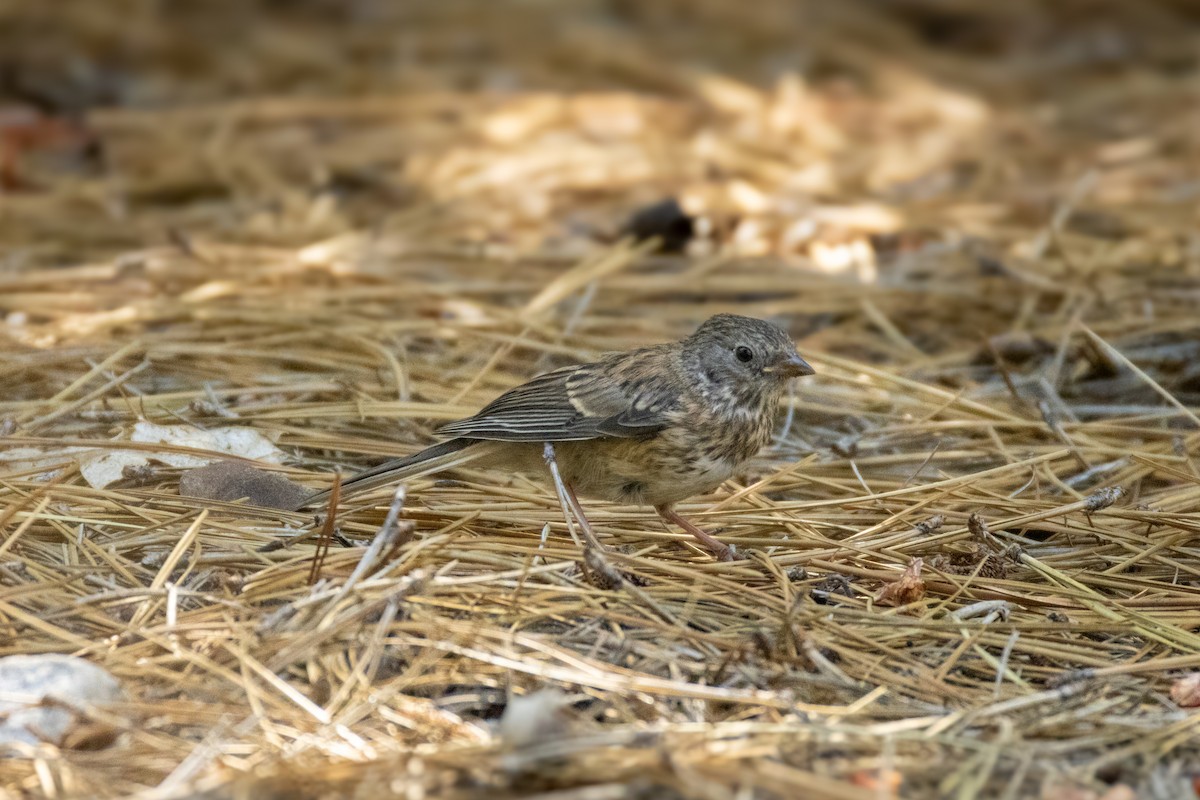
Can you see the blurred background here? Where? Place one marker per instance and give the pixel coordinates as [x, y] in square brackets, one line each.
[846, 133]
[876, 140]
[909, 144]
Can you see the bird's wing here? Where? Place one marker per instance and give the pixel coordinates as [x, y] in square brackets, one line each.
[573, 403]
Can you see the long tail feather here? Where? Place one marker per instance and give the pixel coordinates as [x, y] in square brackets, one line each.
[437, 458]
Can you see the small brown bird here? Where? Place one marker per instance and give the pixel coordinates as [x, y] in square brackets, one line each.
[651, 426]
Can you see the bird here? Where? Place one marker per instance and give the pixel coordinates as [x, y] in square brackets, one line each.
[650, 427]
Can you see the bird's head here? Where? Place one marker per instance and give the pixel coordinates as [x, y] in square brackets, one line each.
[730, 351]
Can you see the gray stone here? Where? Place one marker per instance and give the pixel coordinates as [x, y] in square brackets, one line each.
[233, 480]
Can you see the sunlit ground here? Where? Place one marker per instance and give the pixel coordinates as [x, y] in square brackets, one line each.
[307, 233]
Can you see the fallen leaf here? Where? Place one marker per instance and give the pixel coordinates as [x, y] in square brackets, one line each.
[1186, 691]
[21, 459]
[102, 468]
[884, 782]
[908, 589]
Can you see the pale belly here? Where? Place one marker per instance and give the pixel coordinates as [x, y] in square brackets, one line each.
[639, 472]
[657, 471]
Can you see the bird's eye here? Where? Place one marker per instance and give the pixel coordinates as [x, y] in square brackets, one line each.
[744, 354]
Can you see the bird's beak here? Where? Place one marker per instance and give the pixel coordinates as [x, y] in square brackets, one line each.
[792, 367]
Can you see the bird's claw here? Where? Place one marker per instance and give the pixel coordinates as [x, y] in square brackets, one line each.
[728, 553]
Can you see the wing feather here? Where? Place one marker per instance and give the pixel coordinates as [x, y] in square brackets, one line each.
[570, 404]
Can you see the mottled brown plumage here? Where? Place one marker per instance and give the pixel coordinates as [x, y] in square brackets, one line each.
[651, 426]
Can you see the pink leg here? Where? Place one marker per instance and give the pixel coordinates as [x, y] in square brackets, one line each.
[567, 492]
[719, 549]
[581, 518]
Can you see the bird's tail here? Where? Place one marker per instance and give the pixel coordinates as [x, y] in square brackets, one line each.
[438, 457]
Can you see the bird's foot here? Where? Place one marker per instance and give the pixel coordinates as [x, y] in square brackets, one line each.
[720, 550]
[728, 553]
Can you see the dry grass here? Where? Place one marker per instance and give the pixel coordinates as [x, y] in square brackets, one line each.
[997, 285]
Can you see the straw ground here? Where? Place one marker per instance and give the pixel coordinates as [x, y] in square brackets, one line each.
[971, 551]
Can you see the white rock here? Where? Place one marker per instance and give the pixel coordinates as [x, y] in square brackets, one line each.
[66, 682]
[534, 718]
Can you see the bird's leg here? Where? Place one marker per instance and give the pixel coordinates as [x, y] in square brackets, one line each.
[568, 498]
[712, 544]
[584, 524]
